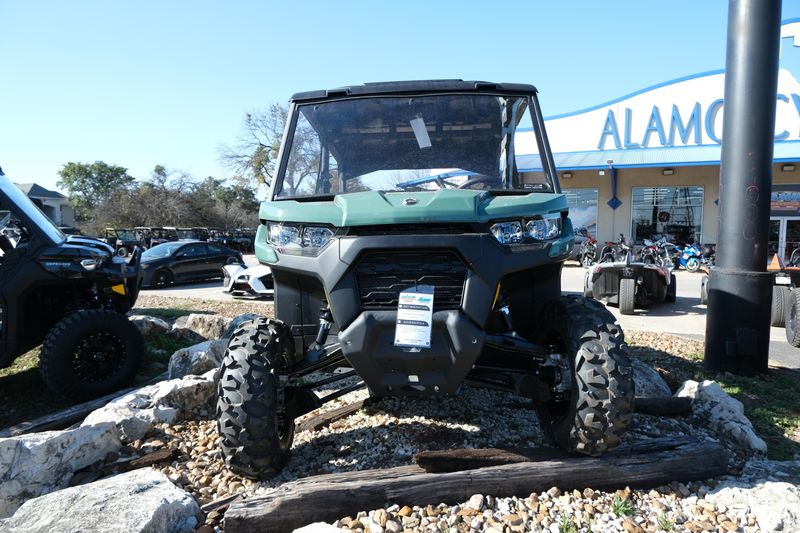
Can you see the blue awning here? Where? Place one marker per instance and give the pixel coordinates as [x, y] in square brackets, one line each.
[648, 157]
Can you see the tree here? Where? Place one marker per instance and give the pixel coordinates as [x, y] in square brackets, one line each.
[90, 184]
[255, 151]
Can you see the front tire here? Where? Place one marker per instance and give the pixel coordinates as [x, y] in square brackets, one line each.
[627, 296]
[256, 438]
[692, 264]
[595, 417]
[90, 353]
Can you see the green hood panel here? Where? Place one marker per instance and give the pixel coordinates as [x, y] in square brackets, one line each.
[372, 207]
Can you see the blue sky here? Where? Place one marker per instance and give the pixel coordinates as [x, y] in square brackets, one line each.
[152, 82]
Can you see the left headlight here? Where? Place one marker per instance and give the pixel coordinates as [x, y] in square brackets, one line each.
[537, 229]
[298, 240]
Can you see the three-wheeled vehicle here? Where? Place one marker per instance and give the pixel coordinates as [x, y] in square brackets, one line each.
[630, 284]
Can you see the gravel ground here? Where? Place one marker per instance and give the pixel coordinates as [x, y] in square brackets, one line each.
[388, 432]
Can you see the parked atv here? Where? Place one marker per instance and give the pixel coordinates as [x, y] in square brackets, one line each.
[405, 242]
[122, 240]
[630, 284]
[69, 294]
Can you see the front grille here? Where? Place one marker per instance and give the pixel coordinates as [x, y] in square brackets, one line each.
[381, 276]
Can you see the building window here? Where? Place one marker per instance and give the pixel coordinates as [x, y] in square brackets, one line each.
[676, 212]
[582, 209]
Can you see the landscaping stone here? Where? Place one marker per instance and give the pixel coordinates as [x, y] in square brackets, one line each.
[197, 359]
[205, 326]
[164, 402]
[648, 382]
[39, 463]
[141, 501]
[723, 415]
[150, 326]
[771, 491]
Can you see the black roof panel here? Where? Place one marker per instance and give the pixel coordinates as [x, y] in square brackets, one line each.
[418, 86]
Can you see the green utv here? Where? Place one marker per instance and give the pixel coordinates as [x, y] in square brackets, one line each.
[416, 234]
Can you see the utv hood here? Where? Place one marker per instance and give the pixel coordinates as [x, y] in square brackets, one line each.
[373, 207]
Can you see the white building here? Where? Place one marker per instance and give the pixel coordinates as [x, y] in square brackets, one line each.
[648, 163]
[54, 204]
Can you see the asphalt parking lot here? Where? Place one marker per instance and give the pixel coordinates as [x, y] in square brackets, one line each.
[685, 318]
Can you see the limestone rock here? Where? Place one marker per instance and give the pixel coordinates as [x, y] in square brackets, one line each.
[775, 504]
[39, 463]
[648, 382]
[205, 326]
[150, 326]
[164, 402]
[237, 322]
[723, 415]
[197, 359]
[139, 501]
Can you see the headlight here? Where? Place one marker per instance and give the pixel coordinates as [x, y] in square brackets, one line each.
[507, 232]
[543, 229]
[298, 240]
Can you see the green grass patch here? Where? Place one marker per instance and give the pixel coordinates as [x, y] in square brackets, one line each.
[621, 507]
[25, 396]
[166, 314]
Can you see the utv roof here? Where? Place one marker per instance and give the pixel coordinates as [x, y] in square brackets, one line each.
[420, 86]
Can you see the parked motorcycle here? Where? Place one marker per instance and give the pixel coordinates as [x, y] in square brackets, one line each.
[691, 257]
[648, 254]
[588, 251]
[613, 252]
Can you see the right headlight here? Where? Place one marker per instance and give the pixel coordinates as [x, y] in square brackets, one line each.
[296, 239]
[536, 229]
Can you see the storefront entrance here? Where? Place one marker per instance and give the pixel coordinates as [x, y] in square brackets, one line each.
[784, 237]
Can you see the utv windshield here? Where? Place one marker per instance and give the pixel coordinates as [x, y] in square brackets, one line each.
[14, 200]
[403, 143]
[126, 235]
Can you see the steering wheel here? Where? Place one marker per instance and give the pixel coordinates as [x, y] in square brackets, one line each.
[479, 179]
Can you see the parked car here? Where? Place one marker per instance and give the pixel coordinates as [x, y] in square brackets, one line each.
[180, 261]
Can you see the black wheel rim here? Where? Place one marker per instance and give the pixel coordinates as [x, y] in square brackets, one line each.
[98, 357]
[161, 279]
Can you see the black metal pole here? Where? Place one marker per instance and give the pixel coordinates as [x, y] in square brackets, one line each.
[740, 290]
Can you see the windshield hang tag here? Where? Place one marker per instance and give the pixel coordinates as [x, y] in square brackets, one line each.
[414, 317]
[421, 132]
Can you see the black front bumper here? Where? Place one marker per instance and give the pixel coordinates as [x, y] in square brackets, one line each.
[360, 279]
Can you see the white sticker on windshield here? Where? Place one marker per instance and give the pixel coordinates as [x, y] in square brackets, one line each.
[421, 132]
